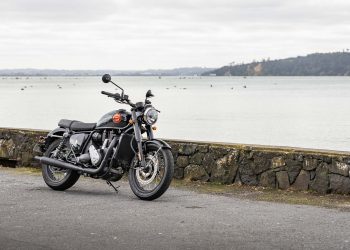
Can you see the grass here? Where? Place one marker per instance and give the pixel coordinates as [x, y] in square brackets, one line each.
[334, 201]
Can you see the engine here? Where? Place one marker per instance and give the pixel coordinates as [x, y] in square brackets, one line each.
[94, 154]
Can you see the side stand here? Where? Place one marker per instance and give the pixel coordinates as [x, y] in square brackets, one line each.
[110, 184]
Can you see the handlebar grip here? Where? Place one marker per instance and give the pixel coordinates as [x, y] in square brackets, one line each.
[106, 93]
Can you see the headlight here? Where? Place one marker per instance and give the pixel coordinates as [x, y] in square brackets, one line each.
[150, 116]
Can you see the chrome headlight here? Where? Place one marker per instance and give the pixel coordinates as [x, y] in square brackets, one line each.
[150, 116]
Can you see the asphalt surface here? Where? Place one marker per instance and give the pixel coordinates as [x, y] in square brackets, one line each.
[92, 216]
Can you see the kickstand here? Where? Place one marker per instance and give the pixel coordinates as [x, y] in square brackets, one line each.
[115, 188]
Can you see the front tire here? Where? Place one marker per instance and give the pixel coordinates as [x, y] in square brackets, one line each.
[155, 179]
[57, 178]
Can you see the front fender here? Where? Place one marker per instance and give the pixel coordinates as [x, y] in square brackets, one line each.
[158, 142]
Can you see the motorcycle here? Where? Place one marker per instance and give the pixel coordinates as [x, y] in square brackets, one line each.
[110, 148]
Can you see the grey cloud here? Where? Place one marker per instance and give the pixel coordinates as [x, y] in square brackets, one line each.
[166, 33]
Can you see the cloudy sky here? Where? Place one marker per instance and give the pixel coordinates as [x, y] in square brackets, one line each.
[143, 34]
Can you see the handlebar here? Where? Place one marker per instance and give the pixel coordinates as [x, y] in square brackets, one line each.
[107, 93]
[118, 98]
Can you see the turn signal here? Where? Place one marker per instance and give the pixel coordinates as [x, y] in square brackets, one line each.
[117, 118]
[154, 128]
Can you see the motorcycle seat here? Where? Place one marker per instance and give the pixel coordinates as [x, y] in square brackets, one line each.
[76, 125]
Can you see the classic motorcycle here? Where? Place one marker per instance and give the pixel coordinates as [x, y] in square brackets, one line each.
[109, 148]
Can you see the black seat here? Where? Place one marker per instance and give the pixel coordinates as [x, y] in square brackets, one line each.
[76, 125]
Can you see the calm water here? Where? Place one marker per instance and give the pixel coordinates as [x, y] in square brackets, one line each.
[292, 111]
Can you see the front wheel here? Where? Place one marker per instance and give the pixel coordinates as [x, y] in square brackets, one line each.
[152, 181]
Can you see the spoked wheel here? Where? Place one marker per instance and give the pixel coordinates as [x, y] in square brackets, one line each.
[57, 178]
[152, 181]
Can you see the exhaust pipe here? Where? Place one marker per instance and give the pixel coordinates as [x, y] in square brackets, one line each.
[66, 165]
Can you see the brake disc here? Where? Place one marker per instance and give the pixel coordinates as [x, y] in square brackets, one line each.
[147, 175]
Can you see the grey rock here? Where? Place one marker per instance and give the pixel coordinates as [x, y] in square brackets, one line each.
[187, 149]
[282, 179]
[182, 161]
[225, 169]
[203, 148]
[302, 182]
[195, 173]
[293, 168]
[278, 162]
[218, 151]
[339, 168]
[339, 184]
[208, 162]
[312, 174]
[246, 173]
[197, 158]
[268, 179]
[321, 181]
[179, 173]
[310, 164]
[261, 164]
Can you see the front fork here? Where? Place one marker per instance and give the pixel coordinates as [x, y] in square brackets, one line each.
[138, 138]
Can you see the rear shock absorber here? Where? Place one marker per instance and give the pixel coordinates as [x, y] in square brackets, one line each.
[62, 143]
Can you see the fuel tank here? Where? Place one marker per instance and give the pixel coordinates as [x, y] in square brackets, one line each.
[116, 119]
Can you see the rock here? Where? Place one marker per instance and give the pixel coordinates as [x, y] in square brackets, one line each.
[208, 162]
[179, 173]
[218, 151]
[247, 175]
[237, 179]
[278, 162]
[339, 168]
[203, 148]
[302, 181]
[339, 184]
[293, 168]
[310, 164]
[225, 169]
[282, 179]
[268, 179]
[195, 173]
[312, 174]
[197, 158]
[187, 149]
[261, 164]
[182, 161]
[7, 149]
[321, 181]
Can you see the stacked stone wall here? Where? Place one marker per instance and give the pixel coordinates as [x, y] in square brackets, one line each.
[322, 171]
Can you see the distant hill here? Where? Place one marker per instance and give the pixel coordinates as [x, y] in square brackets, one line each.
[318, 64]
[152, 72]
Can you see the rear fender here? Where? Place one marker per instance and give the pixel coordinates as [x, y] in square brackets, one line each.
[53, 135]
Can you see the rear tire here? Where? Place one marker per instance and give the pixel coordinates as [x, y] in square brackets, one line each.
[135, 178]
[70, 177]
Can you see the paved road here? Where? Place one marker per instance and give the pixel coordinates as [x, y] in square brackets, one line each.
[92, 216]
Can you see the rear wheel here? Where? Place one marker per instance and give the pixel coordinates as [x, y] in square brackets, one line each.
[152, 181]
[58, 178]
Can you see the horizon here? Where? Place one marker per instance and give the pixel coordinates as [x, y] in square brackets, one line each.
[176, 68]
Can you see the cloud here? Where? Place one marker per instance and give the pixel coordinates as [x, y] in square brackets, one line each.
[139, 34]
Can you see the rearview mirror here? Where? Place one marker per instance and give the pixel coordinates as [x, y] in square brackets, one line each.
[106, 78]
[149, 94]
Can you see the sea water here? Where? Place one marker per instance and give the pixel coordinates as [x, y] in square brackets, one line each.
[310, 112]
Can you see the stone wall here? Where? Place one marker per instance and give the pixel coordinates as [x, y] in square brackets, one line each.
[322, 171]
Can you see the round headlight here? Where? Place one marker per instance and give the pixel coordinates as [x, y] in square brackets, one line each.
[150, 116]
